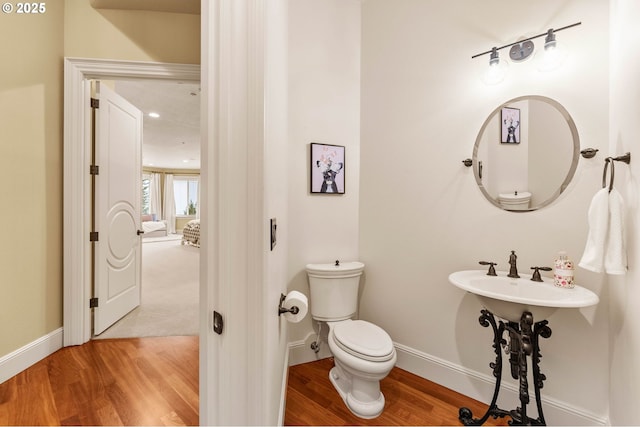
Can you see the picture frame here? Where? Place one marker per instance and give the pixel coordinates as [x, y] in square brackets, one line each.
[510, 125]
[327, 168]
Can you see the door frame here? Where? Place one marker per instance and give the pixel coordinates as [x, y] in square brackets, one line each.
[77, 183]
[237, 80]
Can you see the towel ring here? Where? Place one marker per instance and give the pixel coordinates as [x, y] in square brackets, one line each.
[608, 161]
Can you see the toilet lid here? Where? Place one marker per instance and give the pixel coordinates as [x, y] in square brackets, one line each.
[364, 340]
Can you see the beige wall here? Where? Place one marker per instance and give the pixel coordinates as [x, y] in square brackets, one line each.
[31, 106]
[324, 107]
[624, 333]
[421, 213]
[130, 34]
[31, 176]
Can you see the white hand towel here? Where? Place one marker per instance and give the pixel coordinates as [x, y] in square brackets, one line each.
[615, 256]
[598, 216]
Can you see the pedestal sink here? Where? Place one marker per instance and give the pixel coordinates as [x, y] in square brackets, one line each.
[508, 298]
[524, 305]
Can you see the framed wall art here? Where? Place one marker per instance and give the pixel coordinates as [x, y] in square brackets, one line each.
[327, 169]
[510, 123]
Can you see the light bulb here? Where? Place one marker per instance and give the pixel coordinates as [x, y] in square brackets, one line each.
[497, 69]
[553, 54]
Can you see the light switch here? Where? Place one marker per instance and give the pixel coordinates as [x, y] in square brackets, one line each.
[273, 233]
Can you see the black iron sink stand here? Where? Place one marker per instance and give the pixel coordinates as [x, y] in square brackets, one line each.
[523, 342]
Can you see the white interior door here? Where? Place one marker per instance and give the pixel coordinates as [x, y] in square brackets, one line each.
[118, 132]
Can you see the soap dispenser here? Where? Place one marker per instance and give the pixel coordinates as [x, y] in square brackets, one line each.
[563, 275]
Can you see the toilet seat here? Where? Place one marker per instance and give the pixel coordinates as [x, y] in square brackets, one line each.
[363, 340]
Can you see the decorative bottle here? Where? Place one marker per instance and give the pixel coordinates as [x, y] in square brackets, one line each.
[563, 275]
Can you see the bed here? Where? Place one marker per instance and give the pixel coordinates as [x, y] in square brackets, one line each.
[191, 233]
[153, 228]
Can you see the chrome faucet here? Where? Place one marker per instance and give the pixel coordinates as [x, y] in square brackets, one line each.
[513, 270]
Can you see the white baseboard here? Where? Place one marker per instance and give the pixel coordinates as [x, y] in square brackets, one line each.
[480, 387]
[470, 383]
[14, 363]
[283, 392]
[300, 351]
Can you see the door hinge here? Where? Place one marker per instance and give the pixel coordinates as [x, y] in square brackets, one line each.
[93, 303]
[94, 169]
[93, 236]
[95, 103]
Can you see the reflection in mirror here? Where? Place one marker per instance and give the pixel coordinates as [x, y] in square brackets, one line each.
[526, 153]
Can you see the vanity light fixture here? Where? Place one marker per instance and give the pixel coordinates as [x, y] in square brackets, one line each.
[550, 59]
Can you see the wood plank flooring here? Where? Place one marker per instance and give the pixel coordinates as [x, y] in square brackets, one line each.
[154, 381]
[134, 381]
[410, 400]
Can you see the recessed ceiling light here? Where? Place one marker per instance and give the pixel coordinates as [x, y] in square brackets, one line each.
[185, 161]
[154, 115]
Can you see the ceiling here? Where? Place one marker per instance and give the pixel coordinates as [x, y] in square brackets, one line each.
[172, 140]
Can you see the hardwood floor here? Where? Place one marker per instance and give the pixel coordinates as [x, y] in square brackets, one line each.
[410, 400]
[154, 381]
[135, 381]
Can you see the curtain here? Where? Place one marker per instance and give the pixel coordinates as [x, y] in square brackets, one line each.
[169, 204]
[155, 196]
[198, 204]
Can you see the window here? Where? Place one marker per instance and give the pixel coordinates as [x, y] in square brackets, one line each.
[185, 192]
[146, 194]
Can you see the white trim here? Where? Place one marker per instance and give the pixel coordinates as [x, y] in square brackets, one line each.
[300, 351]
[76, 220]
[480, 386]
[15, 362]
[296, 354]
[283, 392]
[471, 383]
[210, 17]
[257, 283]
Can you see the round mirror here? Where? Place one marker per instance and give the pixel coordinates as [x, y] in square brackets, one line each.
[526, 153]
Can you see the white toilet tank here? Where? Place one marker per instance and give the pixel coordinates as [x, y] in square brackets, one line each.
[334, 290]
[516, 201]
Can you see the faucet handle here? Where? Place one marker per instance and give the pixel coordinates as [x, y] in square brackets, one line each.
[536, 274]
[492, 270]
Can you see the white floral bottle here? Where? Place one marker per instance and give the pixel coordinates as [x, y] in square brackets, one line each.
[563, 275]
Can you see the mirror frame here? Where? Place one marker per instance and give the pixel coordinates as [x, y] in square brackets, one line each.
[574, 163]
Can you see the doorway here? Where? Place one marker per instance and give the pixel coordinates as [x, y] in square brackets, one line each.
[77, 212]
[169, 195]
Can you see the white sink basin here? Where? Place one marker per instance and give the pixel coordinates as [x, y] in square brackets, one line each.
[508, 298]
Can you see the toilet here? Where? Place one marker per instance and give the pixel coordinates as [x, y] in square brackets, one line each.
[516, 201]
[363, 353]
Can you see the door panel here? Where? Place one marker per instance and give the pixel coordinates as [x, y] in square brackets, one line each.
[117, 210]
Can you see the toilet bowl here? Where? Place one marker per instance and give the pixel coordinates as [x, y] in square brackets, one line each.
[363, 353]
[516, 201]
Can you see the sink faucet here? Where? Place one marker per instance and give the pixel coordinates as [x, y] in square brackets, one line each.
[513, 270]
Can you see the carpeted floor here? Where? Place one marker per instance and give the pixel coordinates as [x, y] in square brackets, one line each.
[170, 293]
[162, 238]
